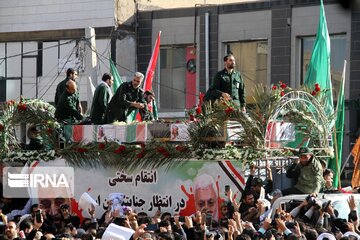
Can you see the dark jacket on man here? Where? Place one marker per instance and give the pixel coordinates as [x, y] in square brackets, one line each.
[100, 103]
[66, 110]
[120, 105]
[61, 87]
[231, 83]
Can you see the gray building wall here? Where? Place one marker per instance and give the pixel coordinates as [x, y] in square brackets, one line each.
[40, 15]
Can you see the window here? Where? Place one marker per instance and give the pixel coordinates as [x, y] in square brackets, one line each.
[251, 61]
[177, 78]
[337, 50]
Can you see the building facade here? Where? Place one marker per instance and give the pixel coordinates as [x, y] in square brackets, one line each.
[40, 39]
[271, 40]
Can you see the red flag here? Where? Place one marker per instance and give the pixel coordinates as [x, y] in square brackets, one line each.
[150, 75]
[201, 98]
[201, 101]
[152, 64]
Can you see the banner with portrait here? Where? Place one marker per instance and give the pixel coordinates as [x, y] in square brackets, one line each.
[194, 185]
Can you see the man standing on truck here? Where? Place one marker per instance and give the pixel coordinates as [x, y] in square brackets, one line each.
[308, 172]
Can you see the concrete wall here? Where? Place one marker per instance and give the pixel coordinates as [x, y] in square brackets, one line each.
[174, 30]
[38, 15]
[161, 4]
[126, 57]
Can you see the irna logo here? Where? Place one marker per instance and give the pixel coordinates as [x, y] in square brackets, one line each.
[36, 180]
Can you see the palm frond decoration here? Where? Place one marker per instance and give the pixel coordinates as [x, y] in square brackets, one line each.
[130, 157]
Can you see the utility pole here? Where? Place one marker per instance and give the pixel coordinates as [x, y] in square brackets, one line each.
[90, 63]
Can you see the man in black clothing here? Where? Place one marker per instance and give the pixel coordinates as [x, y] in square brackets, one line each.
[129, 97]
[247, 207]
[257, 186]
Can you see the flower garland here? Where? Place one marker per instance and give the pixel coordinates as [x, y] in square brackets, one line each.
[209, 122]
[127, 156]
[29, 155]
[30, 111]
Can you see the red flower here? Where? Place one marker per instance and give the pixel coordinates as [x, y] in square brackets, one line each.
[274, 87]
[317, 85]
[282, 94]
[192, 118]
[229, 110]
[142, 145]
[161, 150]
[313, 93]
[198, 110]
[120, 149]
[140, 154]
[2, 127]
[21, 107]
[283, 86]
[50, 131]
[82, 150]
[317, 89]
[101, 145]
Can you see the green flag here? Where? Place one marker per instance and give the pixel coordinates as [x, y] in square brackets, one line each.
[116, 76]
[155, 110]
[335, 163]
[132, 116]
[319, 67]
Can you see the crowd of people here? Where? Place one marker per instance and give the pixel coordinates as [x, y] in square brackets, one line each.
[254, 217]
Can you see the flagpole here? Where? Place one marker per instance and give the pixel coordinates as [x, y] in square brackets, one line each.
[337, 157]
[341, 129]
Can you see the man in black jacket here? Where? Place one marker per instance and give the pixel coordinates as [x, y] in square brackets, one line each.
[129, 97]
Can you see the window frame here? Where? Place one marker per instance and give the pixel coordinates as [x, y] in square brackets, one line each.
[268, 59]
[169, 112]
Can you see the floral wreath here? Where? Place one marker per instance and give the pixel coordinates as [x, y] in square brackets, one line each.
[209, 122]
[30, 111]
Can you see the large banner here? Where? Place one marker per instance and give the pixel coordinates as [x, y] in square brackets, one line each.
[194, 185]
